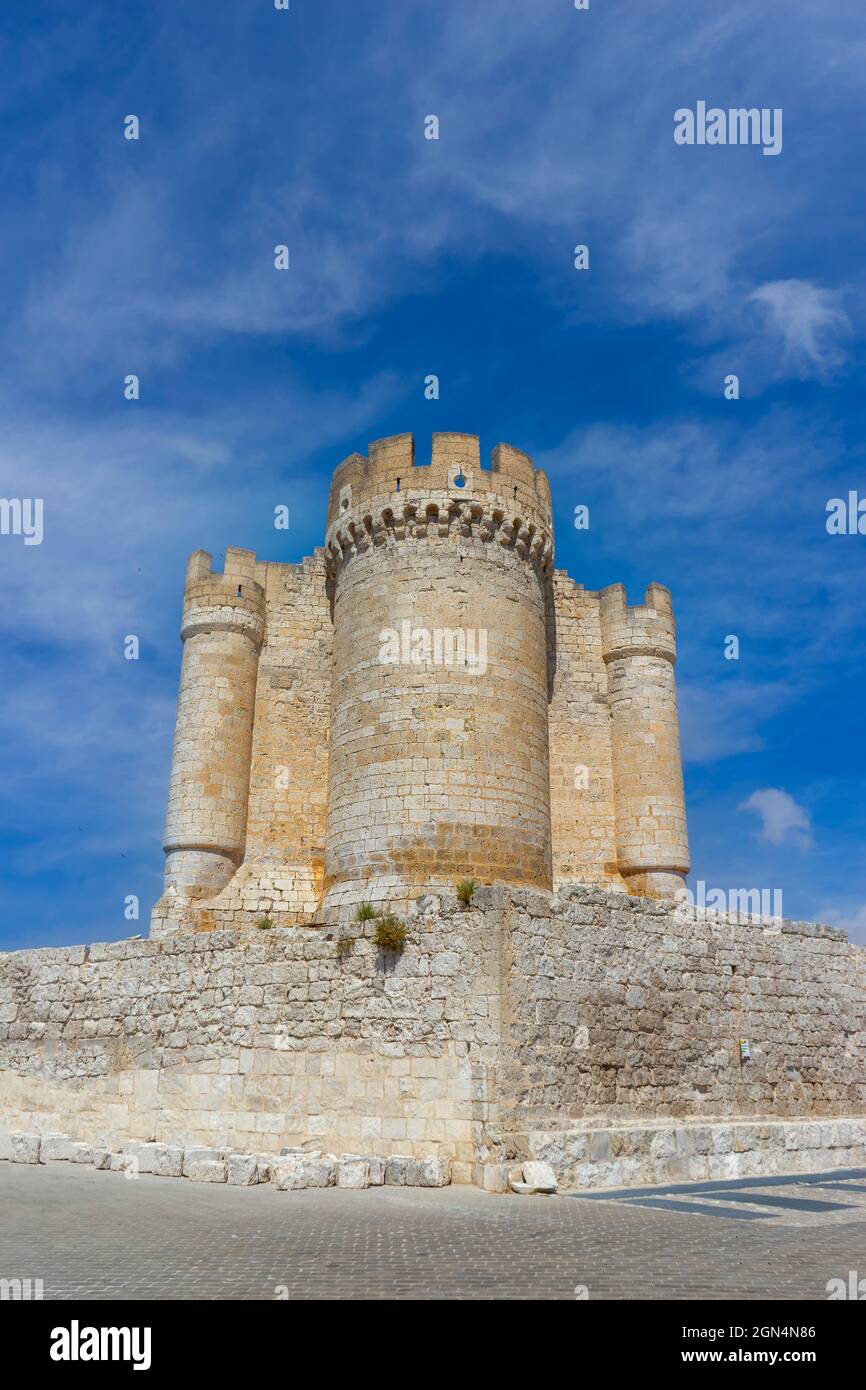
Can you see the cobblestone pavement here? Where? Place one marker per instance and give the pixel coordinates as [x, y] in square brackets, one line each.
[89, 1234]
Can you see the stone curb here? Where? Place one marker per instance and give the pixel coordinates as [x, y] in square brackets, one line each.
[287, 1172]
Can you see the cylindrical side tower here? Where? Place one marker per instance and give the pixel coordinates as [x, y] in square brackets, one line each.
[222, 630]
[439, 746]
[639, 650]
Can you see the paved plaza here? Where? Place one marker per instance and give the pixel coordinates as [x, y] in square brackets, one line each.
[90, 1234]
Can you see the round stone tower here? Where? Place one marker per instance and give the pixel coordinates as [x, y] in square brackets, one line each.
[639, 650]
[439, 733]
[222, 630]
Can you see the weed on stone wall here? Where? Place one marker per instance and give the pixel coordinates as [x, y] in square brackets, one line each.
[390, 935]
[465, 889]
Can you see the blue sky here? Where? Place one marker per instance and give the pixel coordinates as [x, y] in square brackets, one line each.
[410, 257]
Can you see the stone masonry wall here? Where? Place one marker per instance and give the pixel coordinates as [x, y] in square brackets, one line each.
[628, 1008]
[257, 1039]
[281, 875]
[581, 772]
[527, 1012]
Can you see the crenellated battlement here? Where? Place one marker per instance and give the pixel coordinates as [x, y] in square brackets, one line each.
[388, 495]
[646, 629]
[240, 571]
[391, 468]
[233, 600]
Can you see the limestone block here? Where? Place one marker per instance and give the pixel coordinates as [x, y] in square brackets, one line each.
[724, 1165]
[82, 1153]
[703, 1139]
[5, 1145]
[196, 1155]
[353, 1172]
[205, 1169]
[242, 1170]
[723, 1139]
[584, 1175]
[56, 1148]
[434, 1172]
[446, 963]
[495, 1177]
[24, 1148]
[162, 1160]
[560, 1150]
[599, 1145]
[663, 1144]
[288, 1175]
[539, 1176]
[102, 1159]
[795, 1137]
[320, 1172]
[295, 1174]
[396, 1168]
[375, 1171]
[124, 1163]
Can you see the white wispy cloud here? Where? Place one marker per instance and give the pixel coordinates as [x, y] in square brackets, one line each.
[807, 322]
[561, 132]
[783, 821]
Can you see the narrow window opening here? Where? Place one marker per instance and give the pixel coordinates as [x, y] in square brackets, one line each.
[398, 484]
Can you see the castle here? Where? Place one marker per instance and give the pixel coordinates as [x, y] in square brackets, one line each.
[427, 700]
[423, 700]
